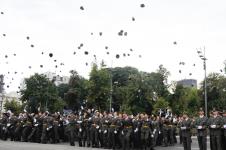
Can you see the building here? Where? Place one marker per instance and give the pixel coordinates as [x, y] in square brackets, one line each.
[56, 78]
[188, 83]
[7, 97]
[1, 84]
[1, 92]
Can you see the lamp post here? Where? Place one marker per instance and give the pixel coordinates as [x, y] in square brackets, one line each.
[111, 91]
[202, 55]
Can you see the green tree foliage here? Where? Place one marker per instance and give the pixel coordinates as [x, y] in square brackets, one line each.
[14, 106]
[135, 91]
[39, 92]
[184, 99]
[62, 90]
[58, 106]
[99, 87]
[216, 91]
[76, 91]
[162, 81]
[161, 103]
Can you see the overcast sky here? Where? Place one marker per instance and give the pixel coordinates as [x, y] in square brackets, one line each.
[60, 26]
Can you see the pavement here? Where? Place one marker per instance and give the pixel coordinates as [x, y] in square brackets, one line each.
[9, 145]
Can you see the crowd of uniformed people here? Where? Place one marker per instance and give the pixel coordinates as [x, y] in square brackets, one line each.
[90, 128]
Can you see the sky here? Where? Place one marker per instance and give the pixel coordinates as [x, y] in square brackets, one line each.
[60, 26]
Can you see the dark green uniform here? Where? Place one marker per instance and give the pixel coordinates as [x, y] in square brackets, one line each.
[70, 129]
[224, 132]
[165, 130]
[4, 131]
[201, 126]
[126, 133]
[94, 131]
[27, 127]
[145, 133]
[18, 129]
[186, 125]
[137, 133]
[215, 124]
[105, 131]
[11, 127]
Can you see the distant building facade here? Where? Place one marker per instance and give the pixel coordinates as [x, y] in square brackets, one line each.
[1, 92]
[56, 78]
[188, 83]
[1, 83]
[7, 97]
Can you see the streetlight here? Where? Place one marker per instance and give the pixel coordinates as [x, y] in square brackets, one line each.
[202, 55]
[111, 91]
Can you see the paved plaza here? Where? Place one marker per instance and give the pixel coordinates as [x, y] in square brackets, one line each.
[8, 145]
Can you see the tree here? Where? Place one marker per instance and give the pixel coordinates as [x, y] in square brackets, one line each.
[216, 91]
[162, 78]
[99, 87]
[1, 83]
[14, 106]
[76, 91]
[59, 105]
[161, 103]
[62, 89]
[39, 93]
[184, 99]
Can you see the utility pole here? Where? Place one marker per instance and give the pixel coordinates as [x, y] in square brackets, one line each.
[202, 55]
[111, 89]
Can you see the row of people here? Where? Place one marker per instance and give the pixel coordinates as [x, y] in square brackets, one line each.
[113, 130]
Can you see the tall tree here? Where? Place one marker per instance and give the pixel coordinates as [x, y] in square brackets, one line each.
[14, 106]
[39, 92]
[99, 87]
[77, 91]
[216, 91]
[184, 99]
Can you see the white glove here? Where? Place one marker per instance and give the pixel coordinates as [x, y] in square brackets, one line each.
[183, 128]
[136, 130]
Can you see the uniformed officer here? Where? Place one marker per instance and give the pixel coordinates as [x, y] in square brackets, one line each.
[186, 125]
[87, 126]
[171, 131]
[145, 131]
[35, 135]
[137, 132]
[165, 131]
[11, 126]
[126, 132]
[70, 129]
[27, 127]
[4, 130]
[95, 129]
[224, 129]
[19, 127]
[201, 126]
[105, 129]
[80, 127]
[180, 119]
[215, 124]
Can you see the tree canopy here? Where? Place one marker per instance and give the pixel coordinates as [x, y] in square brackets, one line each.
[129, 90]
